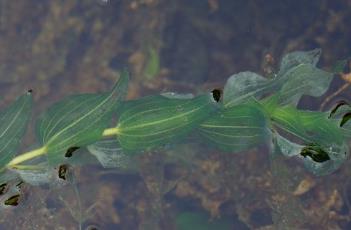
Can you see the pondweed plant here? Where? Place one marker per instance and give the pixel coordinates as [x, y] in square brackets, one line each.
[252, 111]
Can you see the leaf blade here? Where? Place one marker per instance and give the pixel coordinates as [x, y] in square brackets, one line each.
[13, 123]
[78, 120]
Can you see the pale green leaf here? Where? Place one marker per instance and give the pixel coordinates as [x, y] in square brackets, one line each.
[13, 123]
[243, 86]
[156, 120]
[78, 120]
[110, 154]
[296, 58]
[303, 79]
[237, 128]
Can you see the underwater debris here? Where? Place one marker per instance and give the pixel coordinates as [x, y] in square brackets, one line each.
[345, 119]
[217, 94]
[315, 152]
[62, 172]
[70, 151]
[13, 200]
[3, 188]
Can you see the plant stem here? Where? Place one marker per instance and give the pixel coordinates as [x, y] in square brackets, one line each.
[27, 167]
[27, 156]
[43, 150]
[110, 132]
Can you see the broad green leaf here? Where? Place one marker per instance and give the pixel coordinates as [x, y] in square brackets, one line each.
[297, 76]
[111, 155]
[237, 128]
[243, 86]
[78, 120]
[296, 58]
[201, 221]
[303, 79]
[305, 128]
[13, 123]
[310, 126]
[156, 120]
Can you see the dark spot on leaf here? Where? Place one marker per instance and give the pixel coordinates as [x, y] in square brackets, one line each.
[217, 94]
[62, 172]
[315, 152]
[338, 105]
[70, 151]
[19, 184]
[345, 119]
[3, 188]
[13, 200]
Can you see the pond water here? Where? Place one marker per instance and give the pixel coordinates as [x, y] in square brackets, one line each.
[58, 48]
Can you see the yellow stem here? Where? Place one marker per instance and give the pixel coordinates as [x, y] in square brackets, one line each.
[43, 150]
[27, 156]
[110, 132]
[27, 167]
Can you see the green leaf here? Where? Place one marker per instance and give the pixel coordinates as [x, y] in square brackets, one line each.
[110, 154]
[13, 123]
[296, 58]
[304, 79]
[237, 128]
[243, 86]
[201, 221]
[78, 120]
[156, 120]
[297, 76]
[307, 128]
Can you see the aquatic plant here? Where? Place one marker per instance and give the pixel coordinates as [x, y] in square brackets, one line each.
[252, 111]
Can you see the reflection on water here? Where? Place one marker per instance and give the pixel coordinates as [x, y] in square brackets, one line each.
[58, 48]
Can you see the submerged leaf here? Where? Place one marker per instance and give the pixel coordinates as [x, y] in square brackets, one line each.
[110, 154]
[243, 86]
[296, 58]
[156, 120]
[320, 142]
[298, 76]
[304, 79]
[13, 123]
[78, 120]
[237, 128]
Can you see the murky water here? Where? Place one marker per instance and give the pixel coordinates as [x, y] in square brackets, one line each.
[64, 47]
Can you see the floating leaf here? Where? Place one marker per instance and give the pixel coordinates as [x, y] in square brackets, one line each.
[156, 120]
[13, 123]
[303, 79]
[296, 58]
[110, 154]
[201, 221]
[237, 128]
[78, 120]
[243, 86]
